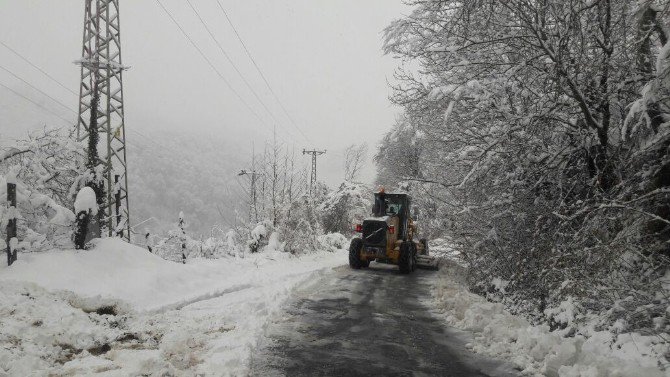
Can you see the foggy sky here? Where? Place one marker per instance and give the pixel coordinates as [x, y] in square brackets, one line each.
[322, 57]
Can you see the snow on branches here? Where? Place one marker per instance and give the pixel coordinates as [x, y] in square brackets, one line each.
[539, 134]
[46, 169]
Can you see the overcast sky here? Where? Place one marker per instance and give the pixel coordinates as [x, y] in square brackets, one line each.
[322, 58]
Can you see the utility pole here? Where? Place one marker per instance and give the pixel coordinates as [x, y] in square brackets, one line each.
[312, 180]
[102, 82]
[253, 174]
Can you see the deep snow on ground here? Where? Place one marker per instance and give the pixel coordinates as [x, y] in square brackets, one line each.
[535, 349]
[118, 310]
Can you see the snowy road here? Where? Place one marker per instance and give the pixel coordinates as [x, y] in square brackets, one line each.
[366, 322]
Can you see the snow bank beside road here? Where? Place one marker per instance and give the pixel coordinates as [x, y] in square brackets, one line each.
[539, 351]
[114, 269]
[120, 310]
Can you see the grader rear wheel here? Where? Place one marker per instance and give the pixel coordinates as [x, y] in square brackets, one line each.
[355, 261]
[414, 253]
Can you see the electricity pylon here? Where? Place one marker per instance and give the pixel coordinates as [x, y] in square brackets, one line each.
[102, 82]
[312, 180]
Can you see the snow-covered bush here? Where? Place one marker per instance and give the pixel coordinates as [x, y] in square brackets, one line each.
[274, 243]
[333, 242]
[47, 167]
[221, 244]
[231, 244]
[178, 246]
[342, 208]
[259, 236]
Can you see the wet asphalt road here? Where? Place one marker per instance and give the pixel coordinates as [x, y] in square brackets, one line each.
[367, 322]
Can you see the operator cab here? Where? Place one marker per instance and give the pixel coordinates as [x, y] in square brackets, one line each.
[393, 205]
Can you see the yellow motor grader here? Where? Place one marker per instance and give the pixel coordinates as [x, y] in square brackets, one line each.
[388, 237]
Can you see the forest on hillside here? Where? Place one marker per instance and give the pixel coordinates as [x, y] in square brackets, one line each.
[190, 198]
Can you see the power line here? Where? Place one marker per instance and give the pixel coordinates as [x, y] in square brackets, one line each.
[36, 104]
[260, 72]
[38, 68]
[149, 139]
[68, 108]
[36, 88]
[53, 99]
[209, 62]
[65, 106]
[158, 153]
[246, 82]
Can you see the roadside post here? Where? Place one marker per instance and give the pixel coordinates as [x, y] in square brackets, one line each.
[11, 225]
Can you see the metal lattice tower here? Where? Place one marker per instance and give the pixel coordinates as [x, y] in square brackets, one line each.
[102, 75]
[312, 180]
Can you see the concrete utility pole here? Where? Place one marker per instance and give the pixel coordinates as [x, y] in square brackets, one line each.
[312, 180]
[254, 209]
[102, 79]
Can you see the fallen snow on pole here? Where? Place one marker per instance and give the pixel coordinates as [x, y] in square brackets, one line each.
[86, 201]
[12, 213]
[10, 178]
[13, 244]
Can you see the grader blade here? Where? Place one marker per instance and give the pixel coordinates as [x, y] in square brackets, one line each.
[427, 262]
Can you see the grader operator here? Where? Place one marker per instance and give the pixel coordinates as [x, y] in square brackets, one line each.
[388, 237]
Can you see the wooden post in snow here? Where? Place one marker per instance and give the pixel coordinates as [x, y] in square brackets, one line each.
[182, 238]
[11, 225]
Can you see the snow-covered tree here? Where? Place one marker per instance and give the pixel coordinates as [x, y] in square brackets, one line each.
[354, 159]
[300, 231]
[281, 202]
[538, 131]
[48, 166]
[178, 246]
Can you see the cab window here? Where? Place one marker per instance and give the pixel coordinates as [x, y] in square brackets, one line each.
[393, 208]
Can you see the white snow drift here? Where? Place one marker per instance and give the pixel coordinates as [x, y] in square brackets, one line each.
[119, 310]
[539, 351]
